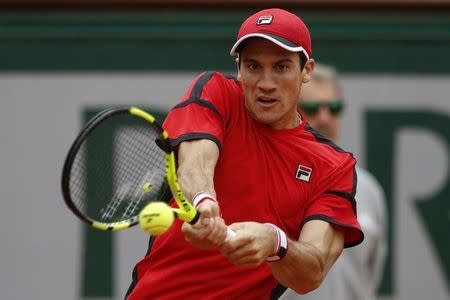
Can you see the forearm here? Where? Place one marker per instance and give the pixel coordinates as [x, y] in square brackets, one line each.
[196, 164]
[195, 179]
[302, 269]
[309, 259]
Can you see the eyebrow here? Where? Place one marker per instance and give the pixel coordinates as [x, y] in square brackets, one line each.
[282, 60]
[249, 60]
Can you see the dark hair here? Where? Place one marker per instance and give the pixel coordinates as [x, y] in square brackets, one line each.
[302, 59]
[302, 56]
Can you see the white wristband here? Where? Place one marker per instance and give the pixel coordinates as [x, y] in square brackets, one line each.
[200, 196]
[282, 244]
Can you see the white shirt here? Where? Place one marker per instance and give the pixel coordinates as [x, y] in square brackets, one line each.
[357, 272]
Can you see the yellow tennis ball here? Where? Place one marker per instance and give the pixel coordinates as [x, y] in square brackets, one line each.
[156, 218]
[148, 187]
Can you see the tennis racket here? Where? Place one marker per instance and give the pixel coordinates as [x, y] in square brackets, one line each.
[120, 161]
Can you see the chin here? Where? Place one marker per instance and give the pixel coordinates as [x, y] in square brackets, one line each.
[266, 120]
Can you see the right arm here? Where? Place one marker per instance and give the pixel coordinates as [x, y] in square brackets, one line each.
[196, 163]
[197, 160]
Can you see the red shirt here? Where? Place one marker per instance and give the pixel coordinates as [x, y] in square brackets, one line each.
[284, 177]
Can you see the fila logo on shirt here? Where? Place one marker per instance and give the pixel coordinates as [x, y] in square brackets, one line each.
[264, 20]
[303, 173]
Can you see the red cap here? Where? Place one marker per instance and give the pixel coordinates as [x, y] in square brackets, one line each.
[278, 26]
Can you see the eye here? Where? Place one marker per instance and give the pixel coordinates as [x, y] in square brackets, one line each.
[282, 67]
[252, 67]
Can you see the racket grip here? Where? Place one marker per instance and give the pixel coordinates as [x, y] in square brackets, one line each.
[230, 233]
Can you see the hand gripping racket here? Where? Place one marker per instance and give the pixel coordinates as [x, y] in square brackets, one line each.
[120, 161]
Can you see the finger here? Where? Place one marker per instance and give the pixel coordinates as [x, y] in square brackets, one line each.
[236, 227]
[196, 231]
[219, 233]
[247, 262]
[250, 265]
[214, 228]
[230, 245]
[186, 228]
[247, 257]
[205, 217]
[234, 244]
[205, 220]
[247, 250]
[209, 208]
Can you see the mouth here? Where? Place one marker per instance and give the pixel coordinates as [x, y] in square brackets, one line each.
[266, 101]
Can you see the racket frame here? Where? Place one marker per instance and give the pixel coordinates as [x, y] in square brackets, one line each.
[185, 210]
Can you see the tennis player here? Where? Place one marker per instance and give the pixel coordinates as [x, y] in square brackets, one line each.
[249, 160]
[357, 273]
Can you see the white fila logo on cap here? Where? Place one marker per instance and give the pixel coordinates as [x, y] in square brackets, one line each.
[303, 173]
[264, 20]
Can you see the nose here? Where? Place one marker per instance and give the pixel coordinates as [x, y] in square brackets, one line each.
[266, 82]
[323, 115]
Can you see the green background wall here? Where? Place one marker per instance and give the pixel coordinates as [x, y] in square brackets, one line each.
[149, 39]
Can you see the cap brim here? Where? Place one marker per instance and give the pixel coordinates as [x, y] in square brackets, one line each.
[283, 43]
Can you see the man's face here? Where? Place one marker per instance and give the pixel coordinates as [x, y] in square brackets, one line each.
[271, 80]
[321, 118]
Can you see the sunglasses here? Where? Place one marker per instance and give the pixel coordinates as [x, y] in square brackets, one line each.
[312, 107]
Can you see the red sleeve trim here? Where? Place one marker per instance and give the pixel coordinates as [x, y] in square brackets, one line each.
[352, 235]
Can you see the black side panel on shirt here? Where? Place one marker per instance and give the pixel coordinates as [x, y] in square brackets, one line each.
[321, 139]
[231, 76]
[201, 82]
[195, 136]
[349, 196]
[355, 181]
[194, 98]
[200, 102]
[196, 93]
[277, 292]
[134, 275]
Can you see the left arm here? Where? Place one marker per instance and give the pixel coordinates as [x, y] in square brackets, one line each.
[309, 258]
[307, 261]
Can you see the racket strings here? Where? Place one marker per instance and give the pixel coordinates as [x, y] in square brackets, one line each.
[143, 153]
[114, 163]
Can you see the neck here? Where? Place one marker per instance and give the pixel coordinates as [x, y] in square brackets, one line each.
[296, 121]
[299, 118]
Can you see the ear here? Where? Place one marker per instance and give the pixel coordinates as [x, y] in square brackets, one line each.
[307, 70]
[238, 69]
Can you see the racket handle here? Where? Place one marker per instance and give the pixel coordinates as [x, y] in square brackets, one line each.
[230, 233]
